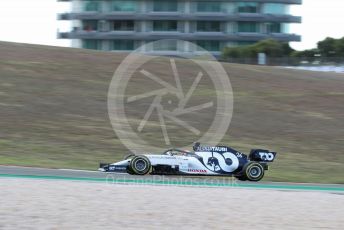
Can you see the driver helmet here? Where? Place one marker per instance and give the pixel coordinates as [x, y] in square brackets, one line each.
[196, 145]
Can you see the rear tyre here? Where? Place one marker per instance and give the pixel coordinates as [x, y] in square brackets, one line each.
[140, 165]
[253, 171]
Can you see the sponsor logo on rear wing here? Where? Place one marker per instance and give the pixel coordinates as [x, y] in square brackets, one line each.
[262, 155]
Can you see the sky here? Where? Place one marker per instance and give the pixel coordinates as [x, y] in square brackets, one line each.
[34, 21]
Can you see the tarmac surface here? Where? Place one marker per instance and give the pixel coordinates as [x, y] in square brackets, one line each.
[121, 178]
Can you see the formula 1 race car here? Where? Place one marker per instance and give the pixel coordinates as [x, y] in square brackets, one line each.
[204, 160]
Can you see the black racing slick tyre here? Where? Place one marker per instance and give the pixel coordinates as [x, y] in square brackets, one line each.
[253, 171]
[140, 165]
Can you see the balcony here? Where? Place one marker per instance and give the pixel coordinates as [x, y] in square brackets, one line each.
[180, 16]
[220, 36]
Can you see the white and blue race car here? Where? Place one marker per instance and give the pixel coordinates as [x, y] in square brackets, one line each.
[204, 160]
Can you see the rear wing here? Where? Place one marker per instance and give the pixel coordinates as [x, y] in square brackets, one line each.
[262, 155]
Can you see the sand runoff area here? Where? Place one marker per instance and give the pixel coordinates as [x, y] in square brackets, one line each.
[56, 204]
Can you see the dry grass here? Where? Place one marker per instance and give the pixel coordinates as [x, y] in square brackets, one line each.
[53, 112]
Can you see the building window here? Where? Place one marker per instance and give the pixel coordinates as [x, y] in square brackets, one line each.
[122, 45]
[273, 28]
[126, 6]
[165, 45]
[125, 25]
[206, 26]
[209, 45]
[275, 8]
[91, 6]
[209, 6]
[164, 25]
[90, 25]
[250, 27]
[91, 44]
[165, 6]
[248, 7]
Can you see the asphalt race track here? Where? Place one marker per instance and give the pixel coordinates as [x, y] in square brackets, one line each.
[95, 176]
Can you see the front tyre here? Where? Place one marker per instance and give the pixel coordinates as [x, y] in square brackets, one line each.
[253, 171]
[140, 165]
